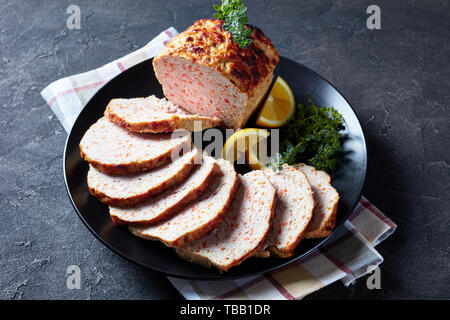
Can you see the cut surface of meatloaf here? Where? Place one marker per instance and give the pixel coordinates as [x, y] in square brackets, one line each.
[115, 150]
[293, 212]
[326, 200]
[163, 206]
[130, 189]
[199, 217]
[155, 115]
[205, 72]
[244, 229]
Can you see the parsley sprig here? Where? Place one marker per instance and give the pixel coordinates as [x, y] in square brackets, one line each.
[312, 137]
[234, 13]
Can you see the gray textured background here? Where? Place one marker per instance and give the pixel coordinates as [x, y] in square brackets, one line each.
[397, 78]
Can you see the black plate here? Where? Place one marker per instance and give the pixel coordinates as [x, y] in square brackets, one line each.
[140, 81]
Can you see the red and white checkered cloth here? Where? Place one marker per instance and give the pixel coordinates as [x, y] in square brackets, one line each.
[348, 257]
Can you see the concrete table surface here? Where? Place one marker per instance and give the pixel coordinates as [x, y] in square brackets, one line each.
[397, 78]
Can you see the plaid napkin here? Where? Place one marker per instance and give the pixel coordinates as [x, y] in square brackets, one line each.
[348, 257]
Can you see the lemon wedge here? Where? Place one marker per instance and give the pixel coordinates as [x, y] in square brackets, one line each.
[251, 156]
[279, 106]
[242, 141]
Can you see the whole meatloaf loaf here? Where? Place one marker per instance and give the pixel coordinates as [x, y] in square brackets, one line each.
[206, 73]
[243, 230]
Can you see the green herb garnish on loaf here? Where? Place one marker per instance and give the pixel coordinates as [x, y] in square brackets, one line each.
[234, 13]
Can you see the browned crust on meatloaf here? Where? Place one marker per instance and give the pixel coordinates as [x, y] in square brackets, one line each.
[193, 257]
[280, 253]
[204, 229]
[285, 253]
[133, 200]
[166, 125]
[189, 256]
[193, 195]
[207, 43]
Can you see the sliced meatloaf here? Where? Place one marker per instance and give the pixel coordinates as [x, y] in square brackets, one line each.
[326, 200]
[205, 72]
[115, 150]
[199, 217]
[163, 206]
[155, 115]
[295, 204]
[243, 230]
[130, 189]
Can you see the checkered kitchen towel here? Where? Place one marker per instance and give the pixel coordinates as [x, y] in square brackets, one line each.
[348, 257]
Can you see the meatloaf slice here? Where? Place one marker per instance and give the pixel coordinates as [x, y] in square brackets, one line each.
[205, 72]
[130, 189]
[115, 150]
[163, 206]
[155, 115]
[199, 217]
[295, 204]
[326, 200]
[243, 230]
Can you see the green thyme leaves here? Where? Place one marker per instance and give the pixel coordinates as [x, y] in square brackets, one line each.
[234, 13]
[312, 136]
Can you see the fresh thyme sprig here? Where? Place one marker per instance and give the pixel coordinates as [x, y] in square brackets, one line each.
[234, 13]
[312, 136]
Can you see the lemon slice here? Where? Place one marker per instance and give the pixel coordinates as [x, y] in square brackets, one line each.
[251, 156]
[279, 106]
[241, 141]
